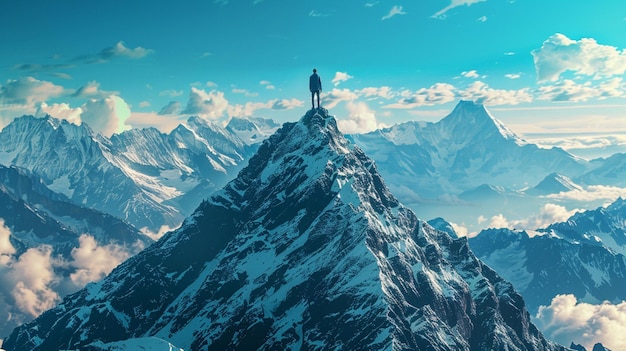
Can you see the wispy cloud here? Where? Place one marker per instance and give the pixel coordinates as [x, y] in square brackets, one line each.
[454, 3]
[267, 84]
[395, 10]
[315, 13]
[244, 92]
[117, 50]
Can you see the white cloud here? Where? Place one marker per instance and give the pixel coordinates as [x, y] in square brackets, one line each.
[286, 104]
[106, 116]
[461, 230]
[548, 214]
[28, 91]
[454, 3]
[144, 103]
[361, 119]
[6, 248]
[592, 193]
[566, 320]
[341, 77]
[470, 74]
[34, 280]
[335, 96]
[382, 92]
[211, 105]
[159, 234]
[93, 262]
[481, 92]
[559, 54]
[164, 123]
[436, 94]
[482, 19]
[395, 10]
[61, 111]
[568, 90]
[211, 84]
[513, 75]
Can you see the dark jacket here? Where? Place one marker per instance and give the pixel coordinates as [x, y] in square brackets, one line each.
[315, 83]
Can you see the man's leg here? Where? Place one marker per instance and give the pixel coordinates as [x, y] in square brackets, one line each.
[318, 98]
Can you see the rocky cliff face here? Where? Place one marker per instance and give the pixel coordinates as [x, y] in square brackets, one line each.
[305, 249]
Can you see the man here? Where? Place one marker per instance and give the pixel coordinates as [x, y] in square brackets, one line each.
[315, 85]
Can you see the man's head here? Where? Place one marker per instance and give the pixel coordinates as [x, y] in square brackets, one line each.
[314, 70]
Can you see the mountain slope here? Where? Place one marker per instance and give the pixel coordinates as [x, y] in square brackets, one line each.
[308, 249]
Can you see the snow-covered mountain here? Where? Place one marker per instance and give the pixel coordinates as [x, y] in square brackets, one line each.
[42, 235]
[156, 177]
[583, 256]
[305, 249]
[554, 183]
[465, 149]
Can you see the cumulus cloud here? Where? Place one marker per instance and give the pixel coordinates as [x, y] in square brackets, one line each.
[560, 54]
[61, 111]
[481, 92]
[335, 96]
[34, 281]
[93, 262]
[341, 77]
[211, 105]
[361, 119]
[6, 248]
[28, 91]
[395, 10]
[513, 75]
[454, 3]
[566, 320]
[106, 116]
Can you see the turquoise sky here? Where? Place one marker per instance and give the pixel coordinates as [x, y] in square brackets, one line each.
[540, 66]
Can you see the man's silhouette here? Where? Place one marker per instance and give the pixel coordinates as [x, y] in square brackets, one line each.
[315, 85]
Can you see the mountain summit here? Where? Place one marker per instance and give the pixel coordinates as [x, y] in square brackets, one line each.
[305, 249]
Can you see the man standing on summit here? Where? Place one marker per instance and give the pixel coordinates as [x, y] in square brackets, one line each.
[315, 85]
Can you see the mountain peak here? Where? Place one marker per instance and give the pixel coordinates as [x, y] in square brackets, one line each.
[473, 117]
[305, 249]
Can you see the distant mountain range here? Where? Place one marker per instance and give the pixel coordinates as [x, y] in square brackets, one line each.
[583, 256]
[143, 176]
[306, 249]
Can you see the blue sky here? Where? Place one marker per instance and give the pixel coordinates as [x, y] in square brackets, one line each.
[545, 67]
